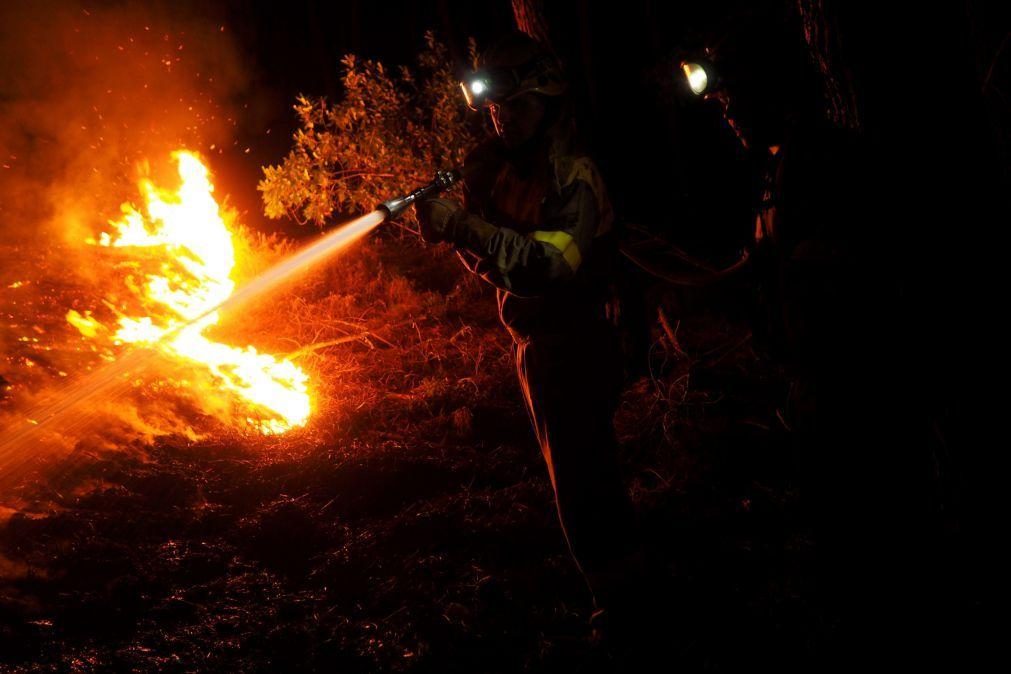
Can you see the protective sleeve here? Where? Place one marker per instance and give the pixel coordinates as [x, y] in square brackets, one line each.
[531, 264]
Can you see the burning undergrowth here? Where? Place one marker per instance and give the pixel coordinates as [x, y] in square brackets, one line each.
[143, 324]
[188, 240]
[110, 86]
[151, 289]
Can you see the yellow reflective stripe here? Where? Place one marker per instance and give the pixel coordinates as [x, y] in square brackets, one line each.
[564, 242]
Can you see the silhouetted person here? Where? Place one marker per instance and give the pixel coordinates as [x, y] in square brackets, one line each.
[829, 274]
[538, 225]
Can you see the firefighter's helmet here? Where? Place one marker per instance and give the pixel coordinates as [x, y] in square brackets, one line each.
[513, 66]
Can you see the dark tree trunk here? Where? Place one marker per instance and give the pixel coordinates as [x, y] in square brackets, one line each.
[821, 35]
[530, 19]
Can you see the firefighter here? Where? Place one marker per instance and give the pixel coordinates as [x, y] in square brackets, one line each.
[825, 267]
[538, 225]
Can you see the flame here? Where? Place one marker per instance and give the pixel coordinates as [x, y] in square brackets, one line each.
[190, 233]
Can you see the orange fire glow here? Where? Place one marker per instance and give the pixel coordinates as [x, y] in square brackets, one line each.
[190, 233]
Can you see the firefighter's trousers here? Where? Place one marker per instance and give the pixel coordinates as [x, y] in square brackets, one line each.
[571, 384]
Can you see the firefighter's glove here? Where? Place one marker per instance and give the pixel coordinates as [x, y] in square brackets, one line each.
[438, 219]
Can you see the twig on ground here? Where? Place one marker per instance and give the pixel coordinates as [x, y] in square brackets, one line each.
[671, 333]
[310, 348]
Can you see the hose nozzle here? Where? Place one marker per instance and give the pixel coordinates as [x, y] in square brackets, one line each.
[442, 182]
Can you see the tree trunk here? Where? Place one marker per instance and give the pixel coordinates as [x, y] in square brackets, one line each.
[529, 15]
[820, 33]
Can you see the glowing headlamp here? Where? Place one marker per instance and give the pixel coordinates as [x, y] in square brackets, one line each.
[475, 91]
[498, 85]
[697, 77]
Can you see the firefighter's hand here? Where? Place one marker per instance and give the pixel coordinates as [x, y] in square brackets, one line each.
[438, 218]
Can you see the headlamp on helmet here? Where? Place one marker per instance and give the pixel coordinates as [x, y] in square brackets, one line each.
[700, 76]
[493, 86]
[696, 76]
[476, 90]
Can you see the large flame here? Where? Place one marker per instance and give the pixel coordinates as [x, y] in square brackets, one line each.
[190, 233]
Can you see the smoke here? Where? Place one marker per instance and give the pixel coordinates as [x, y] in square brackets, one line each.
[88, 90]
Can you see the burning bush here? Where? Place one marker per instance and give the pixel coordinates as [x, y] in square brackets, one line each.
[391, 131]
[187, 234]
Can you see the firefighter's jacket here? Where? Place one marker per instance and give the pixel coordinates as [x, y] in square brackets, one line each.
[543, 235]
